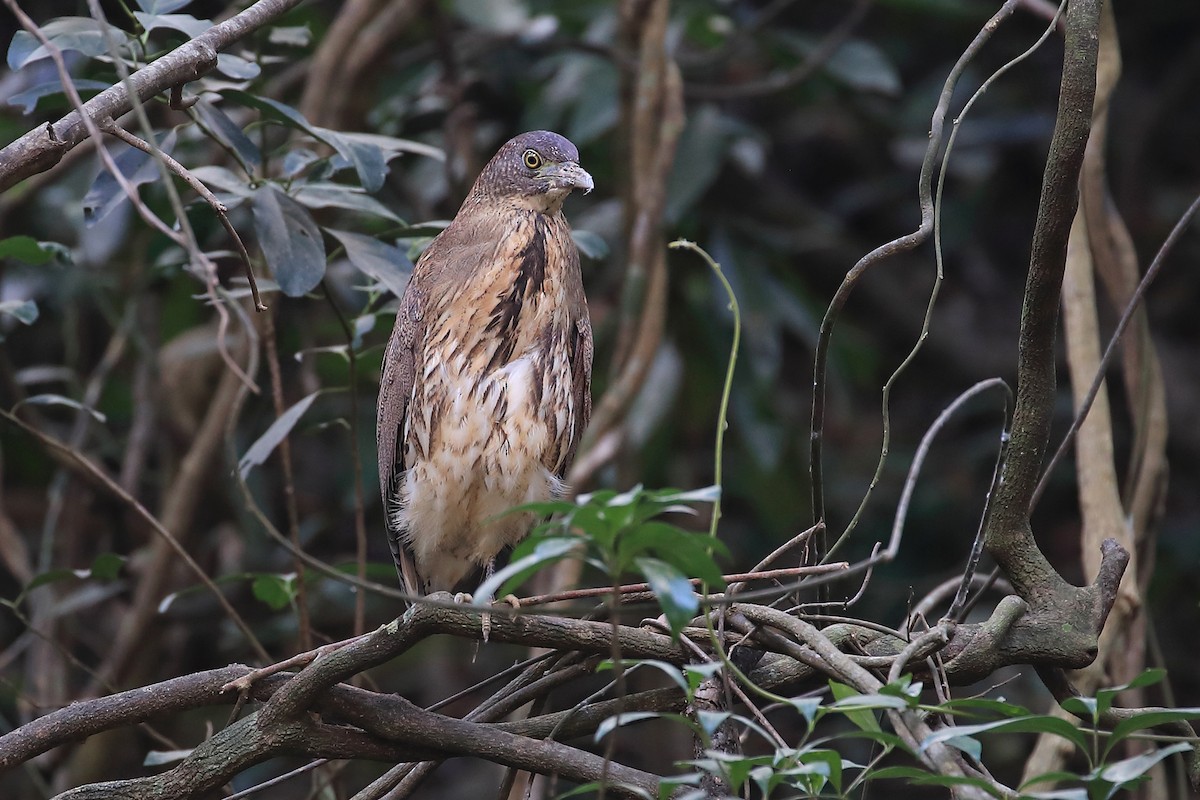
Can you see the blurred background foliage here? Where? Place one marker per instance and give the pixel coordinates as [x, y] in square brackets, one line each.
[786, 175]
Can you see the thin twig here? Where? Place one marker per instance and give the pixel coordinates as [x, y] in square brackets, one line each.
[360, 519]
[108, 126]
[879, 254]
[733, 578]
[1110, 351]
[108, 483]
[792, 77]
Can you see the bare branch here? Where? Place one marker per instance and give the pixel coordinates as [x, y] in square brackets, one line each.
[40, 149]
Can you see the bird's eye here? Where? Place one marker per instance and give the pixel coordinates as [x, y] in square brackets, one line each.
[532, 159]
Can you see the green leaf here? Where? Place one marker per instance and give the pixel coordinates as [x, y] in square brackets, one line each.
[46, 578]
[546, 551]
[364, 155]
[229, 133]
[698, 673]
[863, 66]
[290, 36]
[630, 717]
[236, 67]
[162, 6]
[710, 721]
[186, 24]
[968, 745]
[973, 706]
[1059, 794]
[82, 34]
[1032, 724]
[266, 444]
[338, 195]
[861, 717]
[28, 249]
[290, 241]
[1130, 769]
[1105, 696]
[277, 591]
[384, 263]
[1148, 719]
[831, 760]
[393, 146]
[870, 701]
[1082, 707]
[690, 553]
[107, 566]
[156, 758]
[28, 99]
[888, 740]
[672, 671]
[59, 400]
[672, 589]
[590, 244]
[23, 311]
[890, 773]
[921, 777]
[807, 706]
[224, 180]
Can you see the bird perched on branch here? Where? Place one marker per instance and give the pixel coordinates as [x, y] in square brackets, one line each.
[486, 385]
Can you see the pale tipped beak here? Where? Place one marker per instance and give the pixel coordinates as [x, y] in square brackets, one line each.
[570, 175]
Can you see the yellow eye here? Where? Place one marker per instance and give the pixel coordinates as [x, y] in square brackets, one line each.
[531, 159]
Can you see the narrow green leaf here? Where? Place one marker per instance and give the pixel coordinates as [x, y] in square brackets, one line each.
[384, 263]
[23, 311]
[27, 100]
[290, 35]
[1031, 724]
[322, 194]
[627, 718]
[28, 249]
[1148, 719]
[863, 718]
[672, 671]
[969, 706]
[186, 24]
[59, 400]
[1129, 769]
[266, 444]
[545, 552]
[229, 133]
[590, 244]
[157, 758]
[81, 34]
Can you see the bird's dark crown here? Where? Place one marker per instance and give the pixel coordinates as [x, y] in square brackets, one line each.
[537, 168]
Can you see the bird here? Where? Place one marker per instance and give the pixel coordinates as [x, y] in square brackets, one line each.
[485, 389]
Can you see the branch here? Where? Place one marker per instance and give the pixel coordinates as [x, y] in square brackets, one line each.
[42, 148]
[1009, 538]
[80, 720]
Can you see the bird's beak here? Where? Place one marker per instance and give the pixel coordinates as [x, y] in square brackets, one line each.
[570, 175]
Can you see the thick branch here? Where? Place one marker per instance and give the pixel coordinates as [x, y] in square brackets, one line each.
[42, 148]
[1009, 537]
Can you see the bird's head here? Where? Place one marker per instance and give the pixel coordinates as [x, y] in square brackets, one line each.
[537, 169]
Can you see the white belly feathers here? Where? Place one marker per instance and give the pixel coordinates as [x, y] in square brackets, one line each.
[473, 452]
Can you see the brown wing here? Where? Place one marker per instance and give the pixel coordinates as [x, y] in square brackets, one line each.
[395, 394]
[579, 353]
[580, 357]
